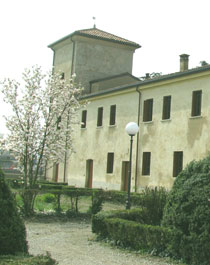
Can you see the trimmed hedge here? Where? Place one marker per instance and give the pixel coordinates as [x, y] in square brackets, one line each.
[138, 236]
[99, 220]
[131, 229]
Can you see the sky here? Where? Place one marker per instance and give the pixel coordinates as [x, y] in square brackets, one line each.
[164, 28]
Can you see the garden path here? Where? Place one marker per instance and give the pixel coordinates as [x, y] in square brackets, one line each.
[72, 243]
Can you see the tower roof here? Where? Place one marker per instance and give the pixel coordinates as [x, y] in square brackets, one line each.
[98, 34]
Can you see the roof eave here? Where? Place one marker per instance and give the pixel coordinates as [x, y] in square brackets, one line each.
[141, 83]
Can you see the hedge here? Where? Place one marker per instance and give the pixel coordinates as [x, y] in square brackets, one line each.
[99, 220]
[131, 229]
[138, 236]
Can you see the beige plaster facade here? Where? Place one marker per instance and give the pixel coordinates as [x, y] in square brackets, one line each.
[182, 132]
[173, 132]
[95, 142]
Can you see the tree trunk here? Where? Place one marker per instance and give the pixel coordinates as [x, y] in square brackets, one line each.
[28, 197]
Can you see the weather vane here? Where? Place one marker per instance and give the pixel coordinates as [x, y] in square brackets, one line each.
[94, 25]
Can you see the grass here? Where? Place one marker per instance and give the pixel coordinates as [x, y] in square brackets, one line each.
[47, 203]
[27, 260]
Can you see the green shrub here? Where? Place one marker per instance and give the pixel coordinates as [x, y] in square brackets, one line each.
[188, 211]
[97, 203]
[12, 228]
[154, 200]
[48, 198]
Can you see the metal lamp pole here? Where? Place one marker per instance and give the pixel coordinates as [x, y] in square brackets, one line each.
[131, 129]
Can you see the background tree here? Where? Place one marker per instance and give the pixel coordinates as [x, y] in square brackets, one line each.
[45, 108]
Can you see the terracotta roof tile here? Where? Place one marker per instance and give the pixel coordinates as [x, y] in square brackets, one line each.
[99, 34]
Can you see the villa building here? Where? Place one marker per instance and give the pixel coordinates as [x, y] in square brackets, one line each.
[172, 111]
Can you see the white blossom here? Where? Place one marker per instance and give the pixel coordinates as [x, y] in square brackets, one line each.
[45, 110]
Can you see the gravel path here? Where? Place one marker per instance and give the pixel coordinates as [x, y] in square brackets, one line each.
[71, 243]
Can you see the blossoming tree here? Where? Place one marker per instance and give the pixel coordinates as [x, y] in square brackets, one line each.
[45, 109]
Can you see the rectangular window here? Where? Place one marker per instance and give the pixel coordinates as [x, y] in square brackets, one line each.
[112, 119]
[178, 163]
[166, 108]
[148, 107]
[100, 117]
[196, 103]
[62, 75]
[110, 163]
[146, 163]
[58, 123]
[84, 119]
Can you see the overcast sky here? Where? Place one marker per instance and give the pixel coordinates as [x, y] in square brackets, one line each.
[164, 28]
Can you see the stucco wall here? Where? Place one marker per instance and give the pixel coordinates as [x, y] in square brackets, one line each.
[111, 83]
[63, 58]
[181, 133]
[99, 59]
[94, 143]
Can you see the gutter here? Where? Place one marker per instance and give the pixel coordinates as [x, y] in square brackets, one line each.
[137, 142]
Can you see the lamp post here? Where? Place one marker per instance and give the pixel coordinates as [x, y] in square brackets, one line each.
[131, 128]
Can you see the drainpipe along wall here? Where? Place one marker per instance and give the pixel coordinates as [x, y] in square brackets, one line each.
[137, 142]
[72, 72]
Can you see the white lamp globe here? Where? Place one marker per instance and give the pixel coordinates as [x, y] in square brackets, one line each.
[132, 128]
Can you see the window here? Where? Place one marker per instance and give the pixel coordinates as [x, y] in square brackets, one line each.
[100, 117]
[178, 163]
[62, 75]
[58, 123]
[112, 119]
[146, 163]
[148, 106]
[84, 118]
[166, 108]
[110, 163]
[196, 103]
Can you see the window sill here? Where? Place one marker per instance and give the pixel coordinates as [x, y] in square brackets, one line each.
[99, 127]
[112, 126]
[83, 128]
[166, 120]
[147, 122]
[196, 117]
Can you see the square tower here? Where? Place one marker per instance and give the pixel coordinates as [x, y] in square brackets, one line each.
[93, 54]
